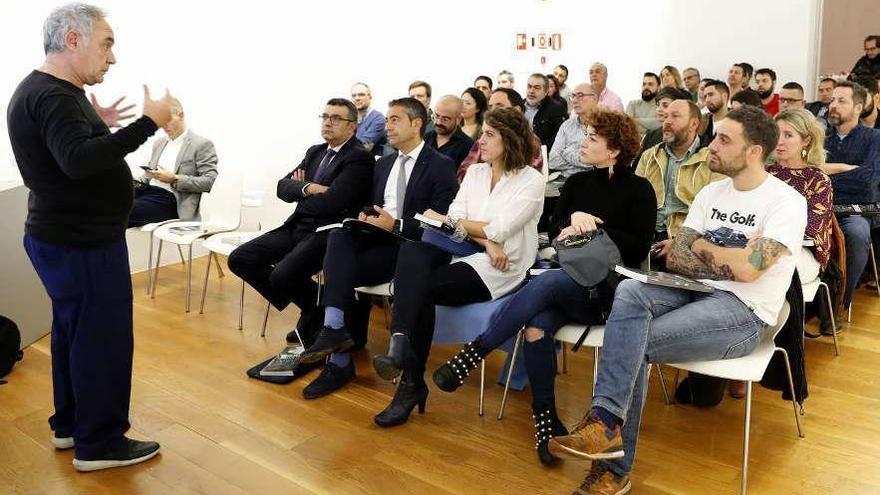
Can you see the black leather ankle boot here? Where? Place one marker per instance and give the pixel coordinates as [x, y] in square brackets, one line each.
[400, 354]
[410, 393]
[451, 375]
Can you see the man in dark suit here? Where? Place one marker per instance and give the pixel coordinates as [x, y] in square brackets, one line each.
[330, 184]
[542, 112]
[414, 179]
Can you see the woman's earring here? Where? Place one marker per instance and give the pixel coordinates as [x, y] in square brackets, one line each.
[804, 153]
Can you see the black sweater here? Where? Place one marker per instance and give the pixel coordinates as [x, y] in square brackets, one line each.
[625, 202]
[80, 186]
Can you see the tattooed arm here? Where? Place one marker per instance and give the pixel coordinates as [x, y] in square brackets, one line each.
[684, 261]
[743, 264]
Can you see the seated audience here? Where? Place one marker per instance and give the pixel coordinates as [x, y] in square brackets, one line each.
[412, 180]
[182, 167]
[738, 77]
[553, 91]
[656, 324]
[609, 197]
[330, 184]
[484, 84]
[505, 79]
[800, 155]
[678, 168]
[791, 96]
[716, 97]
[497, 207]
[599, 80]
[868, 117]
[542, 113]
[670, 78]
[473, 105]
[746, 97]
[447, 137]
[664, 97]
[370, 122]
[692, 83]
[503, 98]
[765, 80]
[561, 73]
[644, 110]
[869, 64]
[853, 162]
[421, 91]
[565, 157]
[819, 108]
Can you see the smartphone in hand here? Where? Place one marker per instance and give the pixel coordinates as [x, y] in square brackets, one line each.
[145, 167]
[370, 211]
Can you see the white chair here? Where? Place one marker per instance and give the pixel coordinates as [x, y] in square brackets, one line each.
[150, 228]
[574, 335]
[750, 368]
[810, 290]
[386, 292]
[220, 212]
[545, 163]
[225, 242]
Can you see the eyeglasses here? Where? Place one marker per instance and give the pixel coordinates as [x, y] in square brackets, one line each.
[334, 119]
[578, 96]
[790, 100]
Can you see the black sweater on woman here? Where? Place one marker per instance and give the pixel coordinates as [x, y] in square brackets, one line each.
[625, 202]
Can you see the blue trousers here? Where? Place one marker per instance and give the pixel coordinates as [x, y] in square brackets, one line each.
[92, 340]
[857, 233]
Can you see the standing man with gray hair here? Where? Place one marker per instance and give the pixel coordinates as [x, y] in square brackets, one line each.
[80, 199]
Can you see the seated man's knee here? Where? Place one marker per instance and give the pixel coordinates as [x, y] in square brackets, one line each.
[533, 334]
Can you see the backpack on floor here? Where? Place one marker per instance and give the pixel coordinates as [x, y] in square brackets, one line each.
[10, 341]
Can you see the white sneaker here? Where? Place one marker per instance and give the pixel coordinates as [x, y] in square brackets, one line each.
[63, 443]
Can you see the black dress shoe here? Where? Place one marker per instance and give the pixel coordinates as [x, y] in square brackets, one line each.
[409, 394]
[331, 379]
[330, 340]
[388, 366]
[128, 453]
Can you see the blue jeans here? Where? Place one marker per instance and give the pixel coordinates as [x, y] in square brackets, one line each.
[857, 233]
[652, 324]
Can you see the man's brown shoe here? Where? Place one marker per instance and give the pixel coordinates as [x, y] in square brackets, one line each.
[601, 481]
[590, 439]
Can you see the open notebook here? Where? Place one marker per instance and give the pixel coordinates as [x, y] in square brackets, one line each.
[663, 278]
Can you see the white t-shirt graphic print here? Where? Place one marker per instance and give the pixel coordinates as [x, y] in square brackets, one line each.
[731, 218]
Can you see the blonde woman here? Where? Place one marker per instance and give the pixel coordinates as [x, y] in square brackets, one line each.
[670, 77]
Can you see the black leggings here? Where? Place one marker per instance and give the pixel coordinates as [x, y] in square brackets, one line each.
[423, 278]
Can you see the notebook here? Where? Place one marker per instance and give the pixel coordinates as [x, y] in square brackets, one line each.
[285, 362]
[665, 279]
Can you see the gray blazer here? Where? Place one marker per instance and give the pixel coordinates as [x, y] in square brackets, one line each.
[196, 169]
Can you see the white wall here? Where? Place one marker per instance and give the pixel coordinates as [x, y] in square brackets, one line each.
[254, 79]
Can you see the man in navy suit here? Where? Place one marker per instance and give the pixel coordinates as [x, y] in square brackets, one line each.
[332, 183]
[414, 179]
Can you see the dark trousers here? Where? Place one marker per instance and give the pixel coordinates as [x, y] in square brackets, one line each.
[280, 264]
[423, 278]
[92, 340]
[152, 204]
[355, 260]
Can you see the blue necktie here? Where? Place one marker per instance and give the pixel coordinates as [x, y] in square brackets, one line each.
[322, 168]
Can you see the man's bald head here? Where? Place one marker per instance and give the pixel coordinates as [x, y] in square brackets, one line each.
[446, 114]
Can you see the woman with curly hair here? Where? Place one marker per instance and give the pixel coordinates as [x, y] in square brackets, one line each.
[497, 207]
[610, 197]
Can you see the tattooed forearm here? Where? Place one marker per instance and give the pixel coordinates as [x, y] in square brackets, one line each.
[683, 261]
[765, 252]
[721, 271]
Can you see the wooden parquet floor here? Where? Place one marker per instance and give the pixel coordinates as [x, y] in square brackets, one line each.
[223, 433]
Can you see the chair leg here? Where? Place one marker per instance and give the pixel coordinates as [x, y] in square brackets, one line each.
[831, 314]
[663, 384]
[188, 277]
[156, 271]
[150, 266]
[241, 307]
[516, 344]
[595, 371]
[180, 252]
[564, 358]
[219, 268]
[205, 285]
[482, 384]
[797, 418]
[874, 266]
[265, 320]
[674, 386]
[748, 422]
[386, 310]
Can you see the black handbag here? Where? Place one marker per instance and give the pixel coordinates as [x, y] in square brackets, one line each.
[589, 259]
[10, 341]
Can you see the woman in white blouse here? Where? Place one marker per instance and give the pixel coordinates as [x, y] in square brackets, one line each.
[498, 207]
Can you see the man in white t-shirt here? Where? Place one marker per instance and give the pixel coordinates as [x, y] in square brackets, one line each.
[741, 236]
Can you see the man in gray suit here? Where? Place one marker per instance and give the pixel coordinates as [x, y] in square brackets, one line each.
[182, 167]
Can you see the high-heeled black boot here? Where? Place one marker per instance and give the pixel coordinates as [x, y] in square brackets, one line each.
[400, 354]
[547, 426]
[451, 375]
[410, 393]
